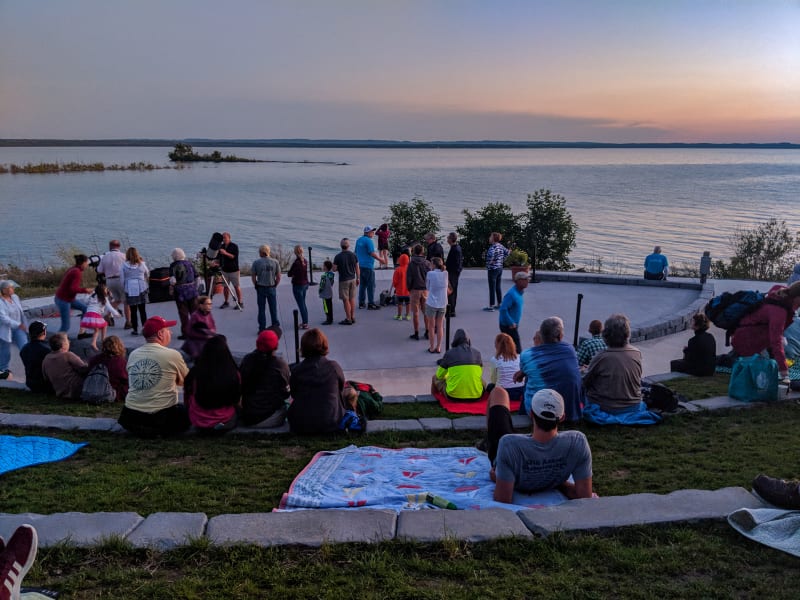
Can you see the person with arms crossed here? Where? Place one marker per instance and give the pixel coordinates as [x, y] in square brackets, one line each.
[346, 264]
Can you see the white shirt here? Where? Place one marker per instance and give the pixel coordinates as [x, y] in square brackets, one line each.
[111, 264]
[436, 282]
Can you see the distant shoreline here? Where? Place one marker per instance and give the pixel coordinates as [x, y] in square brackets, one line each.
[383, 144]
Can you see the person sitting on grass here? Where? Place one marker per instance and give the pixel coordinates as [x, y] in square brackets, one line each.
[551, 363]
[212, 389]
[154, 373]
[595, 344]
[64, 370]
[113, 356]
[32, 355]
[613, 380]
[265, 384]
[316, 386]
[700, 354]
[541, 461]
[459, 372]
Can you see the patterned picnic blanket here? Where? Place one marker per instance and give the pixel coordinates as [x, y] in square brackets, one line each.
[776, 528]
[19, 452]
[369, 476]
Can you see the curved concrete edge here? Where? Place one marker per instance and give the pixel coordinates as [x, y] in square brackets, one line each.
[166, 530]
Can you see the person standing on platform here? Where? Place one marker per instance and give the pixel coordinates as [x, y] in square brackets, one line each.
[454, 265]
[67, 291]
[183, 279]
[434, 248]
[266, 274]
[346, 264]
[111, 267]
[366, 254]
[495, 257]
[229, 264]
[511, 309]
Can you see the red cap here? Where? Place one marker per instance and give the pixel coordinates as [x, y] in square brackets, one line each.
[267, 341]
[155, 324]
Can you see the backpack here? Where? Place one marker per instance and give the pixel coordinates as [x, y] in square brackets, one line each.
[726, 310]
[352, 422]
[97, 386]
[660, 397]
[370, 402]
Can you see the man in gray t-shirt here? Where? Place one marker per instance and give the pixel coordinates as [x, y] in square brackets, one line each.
[544, 460]
[266, 275]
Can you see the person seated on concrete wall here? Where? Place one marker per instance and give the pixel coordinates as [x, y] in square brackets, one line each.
[265, 384]
[613, 380]
[700, 354]
[541, 461]
[32, 355]
[552, 363]
[459, 372]
[64, 370]
[656, 265]
[316, 384]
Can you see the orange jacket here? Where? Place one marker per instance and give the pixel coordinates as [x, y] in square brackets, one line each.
[399, 277]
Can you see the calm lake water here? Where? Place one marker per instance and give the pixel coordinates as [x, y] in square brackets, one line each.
[623, 200]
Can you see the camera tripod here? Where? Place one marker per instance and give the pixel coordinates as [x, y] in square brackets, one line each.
[210, 275]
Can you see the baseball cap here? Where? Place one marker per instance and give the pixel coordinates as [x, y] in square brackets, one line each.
[155, 324]
[267, 341]
[521, 275]
[368, 228]
[36, 328]
[548, 404]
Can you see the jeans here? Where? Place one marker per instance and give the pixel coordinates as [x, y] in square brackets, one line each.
[64, 308]
[266, 294]
[514, 333]
[494, 286]
[367, 286]
[452, 279]
[299, 292]
[18, 338]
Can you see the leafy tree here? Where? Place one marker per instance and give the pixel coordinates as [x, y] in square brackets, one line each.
[181, 152]
[766, 252]
[548, 231]
[410, 221]
[474, 234]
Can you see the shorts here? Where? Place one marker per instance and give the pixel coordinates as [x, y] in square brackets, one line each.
[418, 298]
[402, 299]
[348, 289]
[115, 287]
[431, 311]
[233, 277]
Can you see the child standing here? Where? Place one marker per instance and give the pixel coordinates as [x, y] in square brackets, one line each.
[326, 292]
[383, 244]
[98, 308]
[401, 287]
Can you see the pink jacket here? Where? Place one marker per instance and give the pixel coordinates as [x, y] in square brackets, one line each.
[763, 329]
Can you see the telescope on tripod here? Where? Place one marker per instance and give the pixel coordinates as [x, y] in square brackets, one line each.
[212, 270]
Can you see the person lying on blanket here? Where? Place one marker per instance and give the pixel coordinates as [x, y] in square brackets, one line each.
[542, 461]
[460, 370]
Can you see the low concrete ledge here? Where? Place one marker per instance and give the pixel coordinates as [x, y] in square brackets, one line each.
[305, 527]
[73, 528]
[473, 423]
[394, 425]
[462, 525]
[638, 509]
[399, 399]
[168, 530]
[436, 424]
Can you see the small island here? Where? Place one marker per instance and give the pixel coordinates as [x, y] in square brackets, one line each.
[76, 167]
[184, 153]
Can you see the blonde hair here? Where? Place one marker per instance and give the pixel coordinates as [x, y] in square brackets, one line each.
[132, 256]
[264, 250]
[298, 250]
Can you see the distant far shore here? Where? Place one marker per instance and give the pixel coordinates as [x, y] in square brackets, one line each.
[386, 144]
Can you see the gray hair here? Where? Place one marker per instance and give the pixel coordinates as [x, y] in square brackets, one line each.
[617, 331]
[178, 254]
[552, 330]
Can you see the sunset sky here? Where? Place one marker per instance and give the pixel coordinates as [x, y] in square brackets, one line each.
[555, 70]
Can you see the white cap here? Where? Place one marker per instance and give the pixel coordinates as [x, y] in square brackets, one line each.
[548, 404]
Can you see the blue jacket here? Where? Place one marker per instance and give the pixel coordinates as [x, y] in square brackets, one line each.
[553, 366]
[511, 307]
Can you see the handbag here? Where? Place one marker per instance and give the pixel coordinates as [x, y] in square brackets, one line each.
[754, 379]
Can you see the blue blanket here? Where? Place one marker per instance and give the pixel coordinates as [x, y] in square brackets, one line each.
[404, 479]
[638, 415]
[19, 452]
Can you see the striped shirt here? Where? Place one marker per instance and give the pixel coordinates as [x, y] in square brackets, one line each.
[496, 256]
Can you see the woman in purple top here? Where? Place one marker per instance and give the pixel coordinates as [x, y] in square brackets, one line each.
[182, 282]
[299, 274]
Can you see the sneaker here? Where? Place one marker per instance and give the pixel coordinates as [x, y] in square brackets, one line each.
[327, 323]
[111, 321]
[83, 336]
[425, 335]
[373, 307]
[134, 332]
[362, 306]
[781, 493]
[5, 374]
[414, 336]
[345, 322]
[17, 560]
[453, 314]
[398, 317]
[488, 308]
[407, 317]
[224, 304]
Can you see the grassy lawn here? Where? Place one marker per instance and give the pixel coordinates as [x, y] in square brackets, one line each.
[699, 561]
